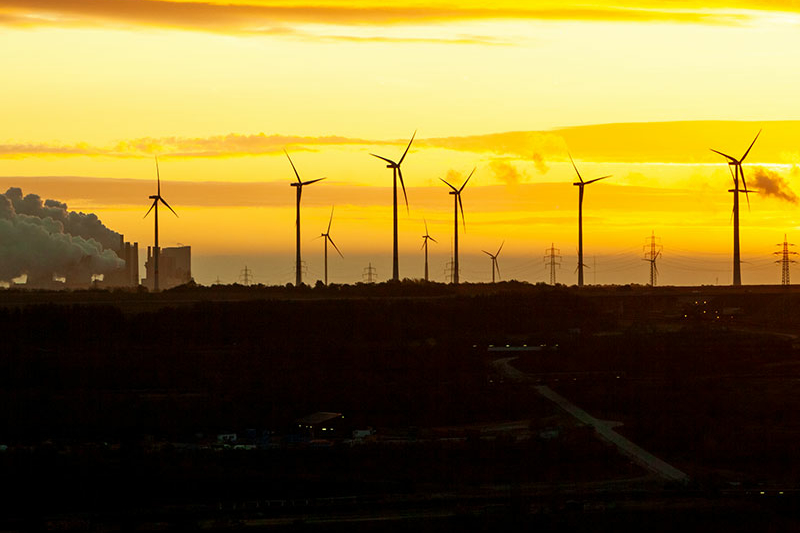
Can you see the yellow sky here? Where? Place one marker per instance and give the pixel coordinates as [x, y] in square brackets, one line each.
[93, 90]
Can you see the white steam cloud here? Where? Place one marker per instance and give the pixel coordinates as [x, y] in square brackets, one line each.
[43, 239]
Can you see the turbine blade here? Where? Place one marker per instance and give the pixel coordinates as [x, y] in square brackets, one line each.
[501, 247]
[293, 168]
[596, 179]
[449, 185]
[426, 226]
[311, 181]
[434, 240]
[424, 240]
[330, 221]
[334, 246]
[744, 183]
[158, 177]
[168, 207]
[403, 185]
[497, 266]
[487, 253]
[726, 156]
[575, 167]
[751, 145]
[468, 177]
[151, 208]
[463, 220]
[381, 157]
[407, 147]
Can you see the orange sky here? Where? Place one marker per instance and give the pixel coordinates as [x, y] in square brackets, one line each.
[219, 90]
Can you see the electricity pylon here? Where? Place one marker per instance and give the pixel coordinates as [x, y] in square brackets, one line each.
[652, 250]
[784, 260]
[552, 258]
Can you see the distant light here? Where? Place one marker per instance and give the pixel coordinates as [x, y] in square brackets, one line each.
[474, 345]
[617, 377]
[491, 346]
[508, 346]
[762, 492]
[781, 492]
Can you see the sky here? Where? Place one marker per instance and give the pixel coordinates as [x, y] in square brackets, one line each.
[93, 90]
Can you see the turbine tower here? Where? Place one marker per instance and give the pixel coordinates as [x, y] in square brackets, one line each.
[456, 205]
[735, 174]
[327, 237]
[396, 172]
[425, 239]
[495, 266]
[156, 250]
[299, 185]
[581, 184]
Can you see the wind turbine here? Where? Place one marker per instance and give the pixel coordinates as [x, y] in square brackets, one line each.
[157, 198]
[737, 171]
[495, 266]
[456, 205]
[299, 185]
[327, 237]
[425, 239]
[396, 172]
[581, 184]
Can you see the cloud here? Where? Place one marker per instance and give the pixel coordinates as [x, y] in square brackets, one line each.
[254, 17]
[229, 145]
[636, 142]
[539, 163]
[771, 183]
[505, 172]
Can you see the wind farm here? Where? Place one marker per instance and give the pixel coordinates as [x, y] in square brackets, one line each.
[243, 372]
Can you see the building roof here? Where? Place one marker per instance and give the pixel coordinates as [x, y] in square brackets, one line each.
[317, 418]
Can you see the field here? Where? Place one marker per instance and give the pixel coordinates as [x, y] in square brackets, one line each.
[125, 395]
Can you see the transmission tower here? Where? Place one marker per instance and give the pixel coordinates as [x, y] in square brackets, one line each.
[369, 274]
[449, 270]
[652, 250]
[552, 258]
[784, 260]
[246, 276]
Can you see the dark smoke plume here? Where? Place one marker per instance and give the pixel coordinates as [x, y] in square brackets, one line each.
[773, 184]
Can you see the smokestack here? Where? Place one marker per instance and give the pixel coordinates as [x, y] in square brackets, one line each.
[135, 265]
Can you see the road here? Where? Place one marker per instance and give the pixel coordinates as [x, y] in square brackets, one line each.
[603, 428]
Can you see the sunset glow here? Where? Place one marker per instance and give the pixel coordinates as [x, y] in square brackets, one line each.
[92, 91]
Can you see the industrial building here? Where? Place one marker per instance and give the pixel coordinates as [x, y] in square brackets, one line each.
[129, 275]
[174, 267]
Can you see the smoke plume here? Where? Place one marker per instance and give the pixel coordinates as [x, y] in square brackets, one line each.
[538, 162]
[773, 184]
[505, 172]
[42, 239]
